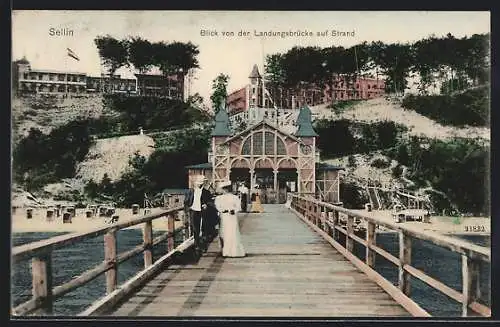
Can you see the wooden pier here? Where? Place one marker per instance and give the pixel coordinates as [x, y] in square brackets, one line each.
[296, 265]
[289, 271]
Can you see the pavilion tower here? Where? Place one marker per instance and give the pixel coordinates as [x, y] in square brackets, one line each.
[307, 151]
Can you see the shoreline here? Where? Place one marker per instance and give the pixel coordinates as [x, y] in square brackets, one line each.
[80, 223]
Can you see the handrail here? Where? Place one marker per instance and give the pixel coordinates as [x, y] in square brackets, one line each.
[325, 219]
[40, 253]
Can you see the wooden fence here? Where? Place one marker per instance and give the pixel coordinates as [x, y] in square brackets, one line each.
[330, 220]
[40, 253]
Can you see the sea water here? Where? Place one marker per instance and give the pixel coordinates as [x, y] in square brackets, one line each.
[73, 260]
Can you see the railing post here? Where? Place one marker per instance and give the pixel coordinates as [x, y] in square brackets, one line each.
[350, 231]
[322, 215]
[404, 259]
[41, 272]
[328, 219]
[185, 224]
[370, 240]
[470, 283]
[335, 223]
[147, 236]
[170, 229]
[316, 213]
[110, 258]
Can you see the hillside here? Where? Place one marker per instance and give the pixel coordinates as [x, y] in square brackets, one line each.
[111, 156]
[382, 109]
[47, 113]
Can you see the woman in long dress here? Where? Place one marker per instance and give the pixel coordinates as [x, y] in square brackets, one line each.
[256, 203]
[228, 205]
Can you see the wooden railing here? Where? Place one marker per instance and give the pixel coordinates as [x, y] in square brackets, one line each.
[330, 220]
[40, 253]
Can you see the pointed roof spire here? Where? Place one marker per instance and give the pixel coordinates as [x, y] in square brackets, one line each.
[221, 127]
[304, 123]
[255, 72]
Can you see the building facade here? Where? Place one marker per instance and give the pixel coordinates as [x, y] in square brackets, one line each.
[27, 80]
[257, 95]
[265, 155]
[160, 86]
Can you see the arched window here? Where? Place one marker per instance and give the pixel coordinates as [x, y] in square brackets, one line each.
[263, 144]
[258, 140]
[281, 147]
[246, 148]
[269, 148]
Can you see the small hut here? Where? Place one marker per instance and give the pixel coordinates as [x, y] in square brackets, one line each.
[173, 197]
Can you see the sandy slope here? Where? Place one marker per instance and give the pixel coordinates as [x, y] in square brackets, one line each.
[381, 109]
[111, 156]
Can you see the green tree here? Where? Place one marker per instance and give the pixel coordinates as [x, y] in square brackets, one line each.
[219, 91]
[113, 53]
[140, 54]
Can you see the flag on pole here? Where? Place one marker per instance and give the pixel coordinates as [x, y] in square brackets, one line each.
[72, 54]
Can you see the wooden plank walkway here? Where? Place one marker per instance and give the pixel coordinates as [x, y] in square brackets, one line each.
[289, 271]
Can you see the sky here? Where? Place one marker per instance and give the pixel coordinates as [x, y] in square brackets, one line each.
[233, 55]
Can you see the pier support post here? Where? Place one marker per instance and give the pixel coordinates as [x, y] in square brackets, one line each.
[170, 229]
[41, 272]
[147, 236]
[110, 258]
[470, 283]
[404, 259]
[350, 230]
[370, 240]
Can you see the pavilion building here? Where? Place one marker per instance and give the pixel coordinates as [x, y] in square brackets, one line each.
[268, 156]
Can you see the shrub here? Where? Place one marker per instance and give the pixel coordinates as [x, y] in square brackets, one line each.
[380, 163]
[397, 171]
[468, 108]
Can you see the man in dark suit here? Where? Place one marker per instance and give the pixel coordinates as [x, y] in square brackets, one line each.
[196, 203]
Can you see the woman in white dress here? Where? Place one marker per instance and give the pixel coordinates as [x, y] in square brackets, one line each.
[228, 205]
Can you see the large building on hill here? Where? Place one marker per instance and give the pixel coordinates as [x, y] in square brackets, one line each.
[270, 157]
[258, 95]
[26, 80]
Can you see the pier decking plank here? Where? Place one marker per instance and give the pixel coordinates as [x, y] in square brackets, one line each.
[289, 271]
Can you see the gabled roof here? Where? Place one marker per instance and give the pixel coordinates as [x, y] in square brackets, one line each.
[261, 123]
[255, 72]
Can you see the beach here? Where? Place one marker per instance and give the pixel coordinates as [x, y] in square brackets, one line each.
[441, 224]
[79, 223]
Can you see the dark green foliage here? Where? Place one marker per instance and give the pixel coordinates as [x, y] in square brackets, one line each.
[459, 168]
[352, 196]
[397, 171]
[219, 91]
[435, 60]
[380, 163]
[351, 161]
[112, 52]
[335, 138]
[169, 58]
[165, 168]
[468, 108]
[150, 113]
[46, 158]
[344, 137]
